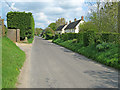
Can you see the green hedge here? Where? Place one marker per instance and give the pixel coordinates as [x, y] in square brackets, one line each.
[68, 36]
[91, 37]
[23, 21]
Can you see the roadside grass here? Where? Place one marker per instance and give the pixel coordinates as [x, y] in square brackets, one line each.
[12, 61]
[30, 40]
[0, 62]
[108, 56]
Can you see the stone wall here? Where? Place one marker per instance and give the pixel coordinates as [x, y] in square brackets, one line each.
[14, 35]
[18, 35]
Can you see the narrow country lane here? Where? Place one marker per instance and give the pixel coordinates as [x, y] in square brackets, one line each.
[53, 66]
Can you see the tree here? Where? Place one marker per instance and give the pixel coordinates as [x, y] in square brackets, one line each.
[38, 31]
[105, 16]
[60, 21]
[90, 27]
[49, 33]
[52, 26]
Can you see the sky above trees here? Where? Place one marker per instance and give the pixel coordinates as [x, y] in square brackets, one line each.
[48, 11]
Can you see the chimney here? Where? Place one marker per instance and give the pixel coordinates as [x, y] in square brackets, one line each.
[82, 17]
[70, 21]
[75, 19]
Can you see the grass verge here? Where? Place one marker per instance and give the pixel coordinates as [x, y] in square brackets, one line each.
[12, 61]
[107, 56]
[30, 40]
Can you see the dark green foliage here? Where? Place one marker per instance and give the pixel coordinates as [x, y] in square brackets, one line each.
[56, 36]
[88, 38]
[105, 37]
[80, 38]
[102, 47]
[91, 37]
[52, 26]
[69, 36]
[74, 41]
[105, 53]
[114, 37]
[85, 39]
[23, 21]
[97, 39]
[49, 34]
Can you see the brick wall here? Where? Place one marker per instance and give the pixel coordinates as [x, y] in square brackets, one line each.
[14, 35]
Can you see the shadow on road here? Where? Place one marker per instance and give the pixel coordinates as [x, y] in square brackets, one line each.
[107, 77]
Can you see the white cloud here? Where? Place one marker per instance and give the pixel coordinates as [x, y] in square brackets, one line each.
[41, 16]
[68, 4]
[53, 10]
[13, 7]
[29, 0]
[38, 24]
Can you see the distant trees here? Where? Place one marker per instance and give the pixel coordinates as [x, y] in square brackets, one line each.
[88, 26]
[38, 31]
[48, 33]
[60, 21]
[52, 26]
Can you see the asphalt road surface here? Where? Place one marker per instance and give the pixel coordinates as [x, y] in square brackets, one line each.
[53, 66]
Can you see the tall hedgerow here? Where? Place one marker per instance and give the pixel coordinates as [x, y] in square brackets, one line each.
[23, 21]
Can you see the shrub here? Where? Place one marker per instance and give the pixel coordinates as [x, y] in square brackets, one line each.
[49, 33]
[114, 37]
[85, 39]
[80, 38]
[74, 41]
[97, 38]
[91, 37]
[49, 36]
[56, 36]
[102, 47]
[105, 37]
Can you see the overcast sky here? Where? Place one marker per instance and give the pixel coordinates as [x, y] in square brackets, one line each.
[48, 11]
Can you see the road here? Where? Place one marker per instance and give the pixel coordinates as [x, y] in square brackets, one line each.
[53, 66]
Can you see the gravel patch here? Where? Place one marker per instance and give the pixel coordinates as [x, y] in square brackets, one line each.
[23, 78]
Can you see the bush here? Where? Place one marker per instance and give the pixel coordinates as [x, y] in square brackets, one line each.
[74, 41]
[85, 39]
[102, 47]
[56, 36]
[23, 21]
[97, 38]
[114, 37]
[68, 36]
[105, 37]
[80, 38]
[49, 33]
[49, 36]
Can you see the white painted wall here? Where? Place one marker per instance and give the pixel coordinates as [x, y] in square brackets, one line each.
[57, 32]
[63, 29]
[77, 27]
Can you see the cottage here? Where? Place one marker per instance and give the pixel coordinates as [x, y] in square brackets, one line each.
[73, 27]
[60, 29]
